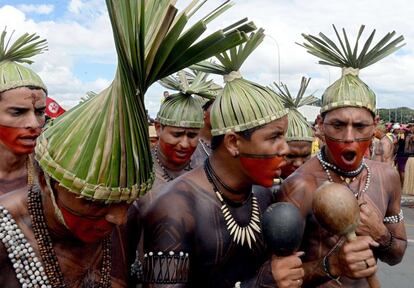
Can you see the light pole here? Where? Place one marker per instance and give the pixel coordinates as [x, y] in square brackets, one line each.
[278, 55]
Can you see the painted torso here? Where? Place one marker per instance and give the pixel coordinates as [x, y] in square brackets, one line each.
[187, 216]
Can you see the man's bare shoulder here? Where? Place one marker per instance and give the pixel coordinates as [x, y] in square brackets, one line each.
[299, 187]
[182, 192]
[306, 174]
[386, 169]
[16, 203]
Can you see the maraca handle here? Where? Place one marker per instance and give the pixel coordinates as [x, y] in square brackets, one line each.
[373, 281]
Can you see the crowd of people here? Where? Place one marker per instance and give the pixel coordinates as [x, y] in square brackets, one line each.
[78, 208]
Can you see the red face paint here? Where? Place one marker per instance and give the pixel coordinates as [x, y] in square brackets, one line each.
[288, 169]
[340, 149]
[19, 140]
[176, 155]
[262, 169]
[86, 230]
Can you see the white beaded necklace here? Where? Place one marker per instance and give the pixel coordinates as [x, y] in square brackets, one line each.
[328, 174]
[28, 268]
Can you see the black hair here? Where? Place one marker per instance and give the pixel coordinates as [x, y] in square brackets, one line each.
[246, 134]
[207, 104]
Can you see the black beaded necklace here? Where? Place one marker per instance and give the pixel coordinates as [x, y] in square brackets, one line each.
[241, 235]
[47, 253]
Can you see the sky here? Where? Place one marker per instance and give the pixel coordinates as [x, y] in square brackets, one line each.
[81, 55]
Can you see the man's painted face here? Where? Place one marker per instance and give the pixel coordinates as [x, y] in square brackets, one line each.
[22, 115]
[262, 156]
[89, 221]
[177, 144]
[348, 133]
[299, 153]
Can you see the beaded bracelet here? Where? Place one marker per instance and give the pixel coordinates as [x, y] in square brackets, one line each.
[325, 265]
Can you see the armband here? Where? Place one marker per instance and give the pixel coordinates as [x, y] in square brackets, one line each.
[165, 268]
[394, 219]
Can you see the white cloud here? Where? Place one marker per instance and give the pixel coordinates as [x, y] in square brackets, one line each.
[36, 9]
[69, 43]
[75, 6]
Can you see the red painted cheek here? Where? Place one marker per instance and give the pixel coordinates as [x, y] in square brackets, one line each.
[19, 140]
[287, 170]
[86, 230]
[338, 148]
[175, 155]
[262, 170]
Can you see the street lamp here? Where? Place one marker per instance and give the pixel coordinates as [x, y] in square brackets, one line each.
[278, 54]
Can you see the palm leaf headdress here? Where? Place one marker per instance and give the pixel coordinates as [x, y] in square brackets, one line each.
[183, 109]
[243, 104]
[298, 129]
[350, 90]
[12, 55]
[100, 150]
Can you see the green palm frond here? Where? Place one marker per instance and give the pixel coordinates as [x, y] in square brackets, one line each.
[283, 92]
[25, 47]
[192, 82]
[298, 128]
[341, 54]
[234, 58]
[100, 149]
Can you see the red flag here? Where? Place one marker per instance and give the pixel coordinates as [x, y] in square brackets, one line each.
[53, 109]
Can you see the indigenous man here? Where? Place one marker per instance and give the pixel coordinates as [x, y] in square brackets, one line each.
[94, 160]
[299, 135]
[177, 126]
[211, 235]
[22, 109]
[383, 146]
[347, 123]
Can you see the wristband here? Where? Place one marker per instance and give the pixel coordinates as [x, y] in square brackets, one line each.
[325, 265]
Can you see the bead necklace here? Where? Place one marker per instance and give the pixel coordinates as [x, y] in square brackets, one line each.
[356, 194]
[206, 147]
[29, 270]
[349, 174]
[47, 253]
[166, 175]
[241, 235]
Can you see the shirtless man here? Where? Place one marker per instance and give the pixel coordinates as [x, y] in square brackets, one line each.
[203, 229]
[383, 147]
[22, 116]
[347, 123]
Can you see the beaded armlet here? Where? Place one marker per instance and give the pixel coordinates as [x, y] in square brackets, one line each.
[166, 268]
[394, 219]
[28, 268]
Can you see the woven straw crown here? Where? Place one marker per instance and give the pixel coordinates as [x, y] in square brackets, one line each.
[14, 75]
[350, 90]
[184, 108]
[243, 104]
[181, 110]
